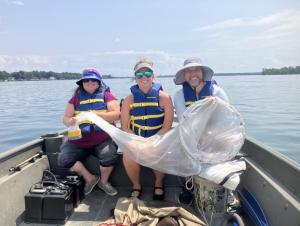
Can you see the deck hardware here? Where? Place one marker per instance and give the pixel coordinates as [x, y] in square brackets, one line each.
[19, 166]
[286, 206]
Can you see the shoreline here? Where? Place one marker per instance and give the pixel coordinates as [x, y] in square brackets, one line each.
[159, 76]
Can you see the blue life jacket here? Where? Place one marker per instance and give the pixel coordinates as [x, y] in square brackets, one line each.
[91, 102]
[147, 116]
[190, 95]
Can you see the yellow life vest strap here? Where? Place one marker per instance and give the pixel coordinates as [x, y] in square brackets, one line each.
[145, 127]
[143, 104]
[90, 122]
[86, 122]
[187, 103]
[88, 101]
[144, 117]
[78, 112]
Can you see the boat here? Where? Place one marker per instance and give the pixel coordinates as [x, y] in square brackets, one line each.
[269, 190]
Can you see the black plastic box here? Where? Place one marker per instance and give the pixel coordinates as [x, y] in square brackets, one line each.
[77, 184]
[48, 204]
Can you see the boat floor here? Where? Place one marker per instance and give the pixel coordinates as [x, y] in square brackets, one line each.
[97, 206]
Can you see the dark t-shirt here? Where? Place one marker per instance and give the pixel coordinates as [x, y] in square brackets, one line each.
[93, 138]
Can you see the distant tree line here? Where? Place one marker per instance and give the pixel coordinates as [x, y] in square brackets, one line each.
[281, 71]
[39, 75]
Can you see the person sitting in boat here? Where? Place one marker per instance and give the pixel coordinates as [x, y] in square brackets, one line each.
[92, 94]
[146, 111]
[197, 83]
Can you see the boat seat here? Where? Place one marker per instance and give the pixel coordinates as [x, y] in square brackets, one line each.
[118, 178]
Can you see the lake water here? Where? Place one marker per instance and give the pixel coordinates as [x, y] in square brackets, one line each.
[270, 106]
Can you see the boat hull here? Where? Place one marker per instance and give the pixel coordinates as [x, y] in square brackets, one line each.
[270, 177]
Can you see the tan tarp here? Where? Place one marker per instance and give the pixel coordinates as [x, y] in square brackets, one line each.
[144, 213]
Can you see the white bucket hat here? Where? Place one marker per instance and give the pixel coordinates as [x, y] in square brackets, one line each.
[193, 62]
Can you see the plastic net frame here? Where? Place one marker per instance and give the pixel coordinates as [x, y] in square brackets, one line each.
[209, 198]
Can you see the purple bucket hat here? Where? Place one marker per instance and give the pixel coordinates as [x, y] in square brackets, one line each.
[90, 73]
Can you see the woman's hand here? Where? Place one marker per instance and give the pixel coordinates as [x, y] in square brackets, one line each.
[125, 114]
[69, 119]
[113, 112]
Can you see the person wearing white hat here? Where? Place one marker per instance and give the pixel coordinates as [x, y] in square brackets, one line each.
[197, 83]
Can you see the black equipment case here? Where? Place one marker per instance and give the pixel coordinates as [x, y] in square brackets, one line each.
[49, 202]
[77, 184]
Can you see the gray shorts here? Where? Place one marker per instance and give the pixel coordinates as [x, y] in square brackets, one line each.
[106, 153]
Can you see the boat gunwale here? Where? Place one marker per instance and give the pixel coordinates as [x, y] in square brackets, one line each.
[275, 164]
[271, 151]
[12, 152]
[254, 150]
[20, 149]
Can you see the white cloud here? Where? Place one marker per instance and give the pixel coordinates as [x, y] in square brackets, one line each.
[117, 63]
[274, 19]
[237, 22]
[253, 43]
[14, 2]
[140, 54]
[24, 62]
[117, 39]
[277, 31]
[235, 45]
[164, 62]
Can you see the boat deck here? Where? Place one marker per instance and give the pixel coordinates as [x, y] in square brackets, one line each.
[266, 178]
[98, 207]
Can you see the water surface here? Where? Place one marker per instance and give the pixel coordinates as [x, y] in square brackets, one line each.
[270, 106]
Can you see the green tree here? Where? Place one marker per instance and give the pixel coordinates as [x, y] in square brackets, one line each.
[281, 71]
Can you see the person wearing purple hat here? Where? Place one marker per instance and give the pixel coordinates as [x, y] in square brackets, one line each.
[197, 83]
[94, 95]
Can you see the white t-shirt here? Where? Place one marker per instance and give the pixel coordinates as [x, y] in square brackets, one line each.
[178, 99]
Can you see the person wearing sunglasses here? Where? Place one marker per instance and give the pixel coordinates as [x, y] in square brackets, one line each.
[146, 111]
[94, 95]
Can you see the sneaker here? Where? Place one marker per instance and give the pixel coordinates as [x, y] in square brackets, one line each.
[89, 187]
[107, 188]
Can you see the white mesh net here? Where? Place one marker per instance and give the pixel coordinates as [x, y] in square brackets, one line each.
[211, 132]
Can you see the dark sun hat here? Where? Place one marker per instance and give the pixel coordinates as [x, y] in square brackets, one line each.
[90, 73]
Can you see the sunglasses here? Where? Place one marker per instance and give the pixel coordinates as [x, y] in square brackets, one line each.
[89, 79]
[139, 75]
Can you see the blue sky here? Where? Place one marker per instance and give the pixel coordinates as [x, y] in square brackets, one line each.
[229, 36]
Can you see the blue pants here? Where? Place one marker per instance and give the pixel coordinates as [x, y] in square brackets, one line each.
[106, 153]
